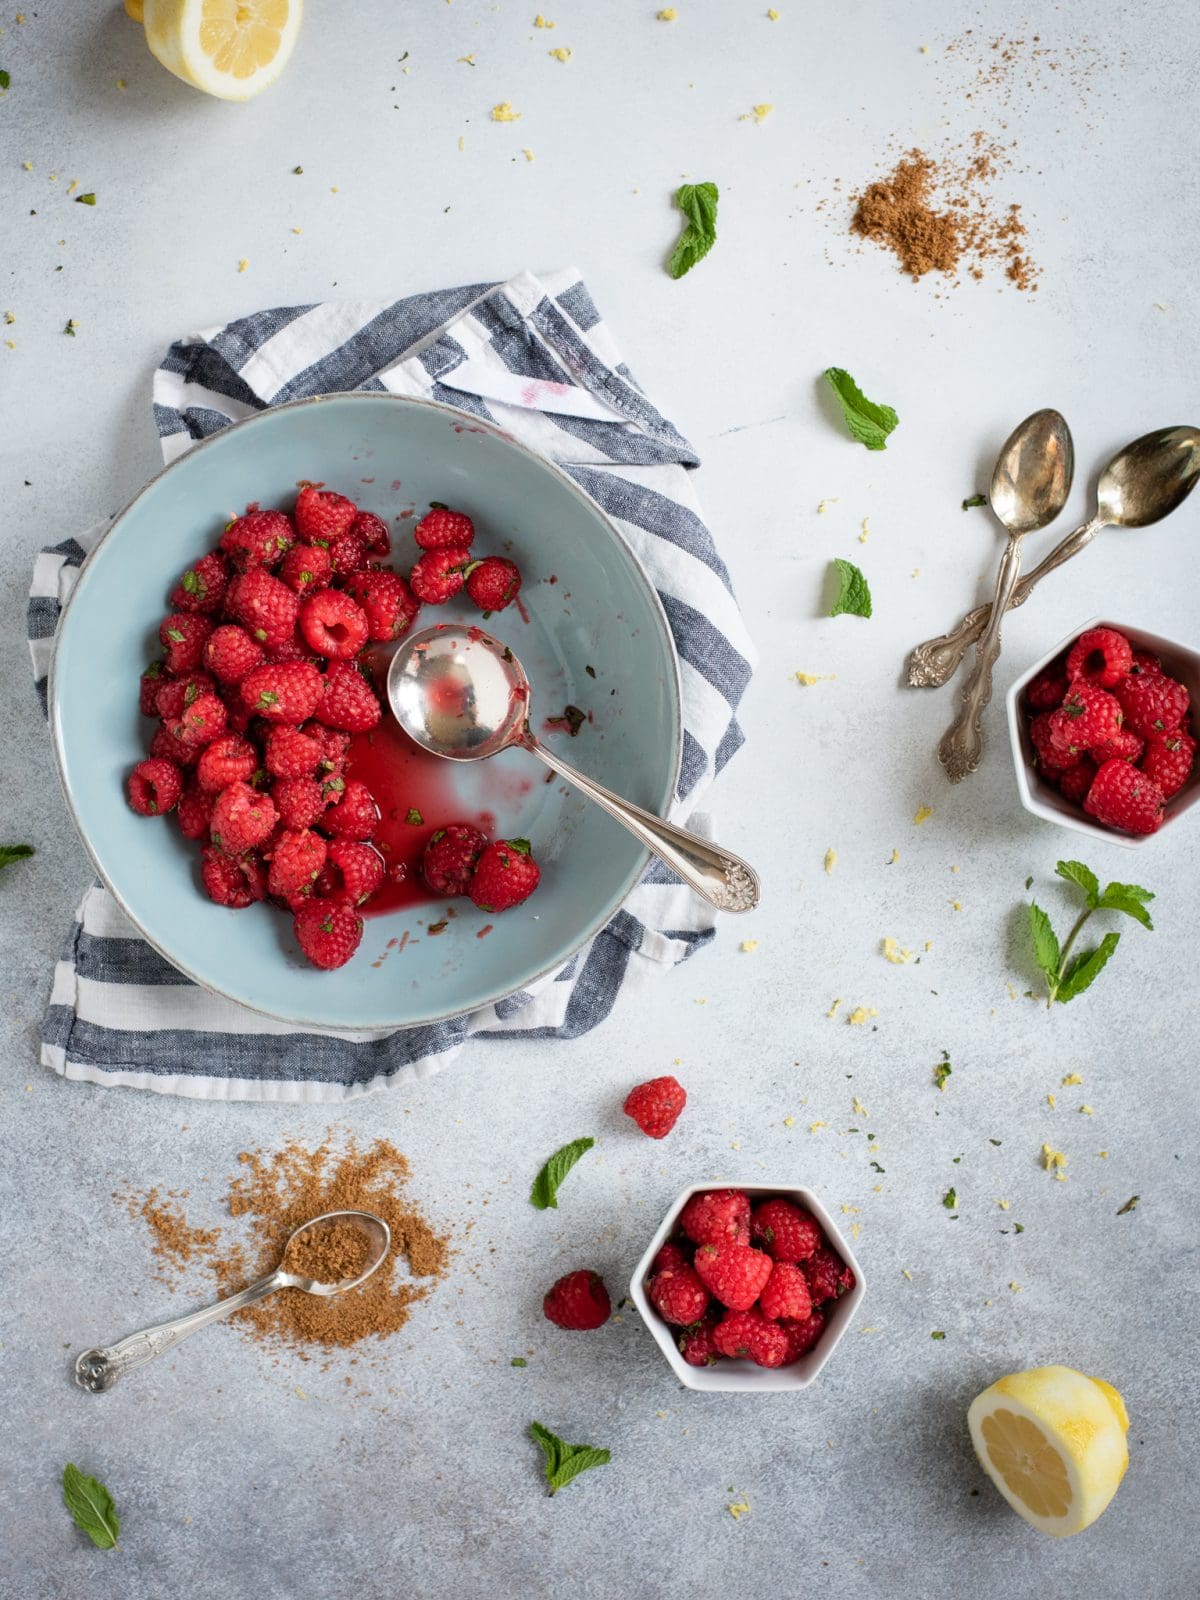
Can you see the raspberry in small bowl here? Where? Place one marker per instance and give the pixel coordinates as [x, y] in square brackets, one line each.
[747, 1288]
[1101, 732]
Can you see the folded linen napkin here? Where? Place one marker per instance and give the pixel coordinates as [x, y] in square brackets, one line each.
[533, 356]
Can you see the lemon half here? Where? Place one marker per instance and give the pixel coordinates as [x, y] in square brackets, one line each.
[1053, 1442]
[229, 48]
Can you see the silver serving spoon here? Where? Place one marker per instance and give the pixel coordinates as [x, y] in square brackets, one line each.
[1030, 485]
[97, 1370]
[463, 695]
[1142, 484]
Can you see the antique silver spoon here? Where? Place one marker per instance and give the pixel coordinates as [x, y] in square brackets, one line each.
[461, 694]
[97, 1370]
[1030, 485]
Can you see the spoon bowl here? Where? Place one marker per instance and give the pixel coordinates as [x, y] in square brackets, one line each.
[1033, 473]
[1149, 478]
[375, 1233]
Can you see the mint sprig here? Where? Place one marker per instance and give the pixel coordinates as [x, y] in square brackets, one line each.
[91, 1506]
[13, 852]
[868, 421]
[698, 202]
[564, 1462]
[1066, 974]
[854, 594]
[544, 1192]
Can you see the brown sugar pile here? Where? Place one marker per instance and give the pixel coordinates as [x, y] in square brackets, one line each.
[897, 212]
[333, 1252]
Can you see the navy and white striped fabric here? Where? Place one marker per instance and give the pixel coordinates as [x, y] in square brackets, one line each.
[533, 356]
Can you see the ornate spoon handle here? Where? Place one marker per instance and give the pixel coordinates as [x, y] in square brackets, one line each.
[961, 749]
[936, 661]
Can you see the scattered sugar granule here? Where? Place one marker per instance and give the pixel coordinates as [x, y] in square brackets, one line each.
[10, 344]
[833, 1010]
[859, 1110]
[748, 946]
[807, 679]
[1012, 993]
[830, 863]
[1051, 1101]
[1103, 1154]
[243, 264]
[895, 856]
[1087, 1111]
[758, 113]
[563, 53]
[928, 946]
[462, 141]
[542, 22]
[824, 505]
[9, 318]
[861, 1014]
[956, 905]
[738, 1509]
[73, 185]
[1016, 1288]
[1071, 1077]
[871, 1329]
[865, 533]
[905, 1273]
[893, 953]
[855, 1231]
[504, 112]
[1005, 1205]
[815, 1127]
[1054, 1161]
[916, 572]
[667, 14]
[528, 154]
[469, 60]
[27, 166]
[772, 14]
[852, 1211]
[923, 814]
[789, 1122]
[297, 230]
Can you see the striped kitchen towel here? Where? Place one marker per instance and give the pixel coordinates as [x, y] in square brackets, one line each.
[533, 356]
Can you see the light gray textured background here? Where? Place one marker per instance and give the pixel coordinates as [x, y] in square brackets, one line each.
[417, 1479]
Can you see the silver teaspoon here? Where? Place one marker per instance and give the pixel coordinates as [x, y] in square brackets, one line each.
[97, 1370]
[1030, 485]
[461, 694]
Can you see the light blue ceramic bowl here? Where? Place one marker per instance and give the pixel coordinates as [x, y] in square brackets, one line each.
[589, 604]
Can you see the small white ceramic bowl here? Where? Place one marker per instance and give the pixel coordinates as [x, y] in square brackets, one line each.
[744, 1375]
[1042, 798]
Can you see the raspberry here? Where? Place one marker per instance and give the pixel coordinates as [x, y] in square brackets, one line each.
[174, 694]
[229, 759]
[1047, 757]
[321, 515]
[154, 786]
[333, 626]
[801, 1336]
[282, 691]
[1123, 746]
[655, 1106]
[387, 601]
[786, 1232]
[678, 1295]
[828, 1276]
[353, 871]
[231, 653]
[202, 587]
[716, 1217]
[199, 723]
[164, 747]
[1101, 656]
[785, 1293]
[356, 816]
[696, 1344]
[235, 882]
[295, 863]
[333, 744]
[1144, 664]
[259, 539]
[149, 684]
[505, 875]
[450, 857]
[288, 753]
[347, 554]
[443, 529]
[1152, 702]
[733, 1271]
[493, 583]
[1122, 797]
[194, 811]
[183, 636]
[264, 606]
[1088, 716]
[328, 932]
[299, 801]
[1168, 760]
[242, 817]
[347, 700]
[373, 531]
[578, 1301]
[668, 1258]
[1048, 690]
[1075, 782]
[438, 575]
[306, 567]
[749, 1335]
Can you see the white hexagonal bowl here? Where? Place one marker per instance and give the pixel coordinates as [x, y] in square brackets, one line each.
[1042, 798]
[744, 1376]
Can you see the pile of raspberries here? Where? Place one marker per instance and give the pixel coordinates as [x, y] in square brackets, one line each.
[259, 691]
[1110, 729]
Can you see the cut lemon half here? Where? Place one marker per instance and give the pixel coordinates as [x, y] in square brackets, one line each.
[229, 48]
[1053, 1442]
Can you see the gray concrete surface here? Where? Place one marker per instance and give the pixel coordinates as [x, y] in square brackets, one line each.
[417, 1478]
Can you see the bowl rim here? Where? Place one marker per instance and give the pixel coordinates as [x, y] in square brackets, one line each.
[742, 1377]
[674, 688]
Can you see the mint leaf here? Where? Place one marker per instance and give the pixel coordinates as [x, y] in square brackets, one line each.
[91, 1506]
[545, 1186]
[698, 202]
[1076, 872]
[1086, 968]
[1045, 941]
[13, 852]
[1130, 1205]
[974, 500]
[564, 1462]
[868, 422]
[942, 1071]
[1126, 891]
[5, 80]
[85, 199]
[1131, 908]
[854, 595]
[950, 1199]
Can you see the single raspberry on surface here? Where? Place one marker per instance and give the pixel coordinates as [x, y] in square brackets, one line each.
[1088, 716]
[328, 932]
[450, 857]
[355, 816]
[748, 1335]
[1168, 760]
[282, 691]
[443, 529]
[1047, 757]
[828, 1276]
[784, 1230]
[333, 625]
[306, 567]
[578, 1301]
[1075, 782]
[678, 1295]
[322, 516]
[299, 801]
[296, 861]
[1123, 746]
[154, 786]
[801, 1336]
[696, 1344]
[202, 587]
[493, 583]
[233, 881]
[290, 753]
[231, 653]
[183, 636]
[655, 1106]
[265, 607]
[176, 693]
[228, 759]
[194, 811]
[199, 723]
[437, 576]
[733, 1271]
[373, 531]
[786, 1293]
[353, 871]
[716, 1216]
[387, 601]
[347, 700]
[242, 818]
[505, 875]
[258, 539]
[668, 1258]
[1101, 656]
[1122, 797]
[1048, 690]
[1152, 702]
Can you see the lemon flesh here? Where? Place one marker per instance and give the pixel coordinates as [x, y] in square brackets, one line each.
[1052, 1440]
[233, 49]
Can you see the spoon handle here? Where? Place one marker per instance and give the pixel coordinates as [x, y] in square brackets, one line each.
[97, 1370]
[936, 661]
[718, 876]
[961, 749]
